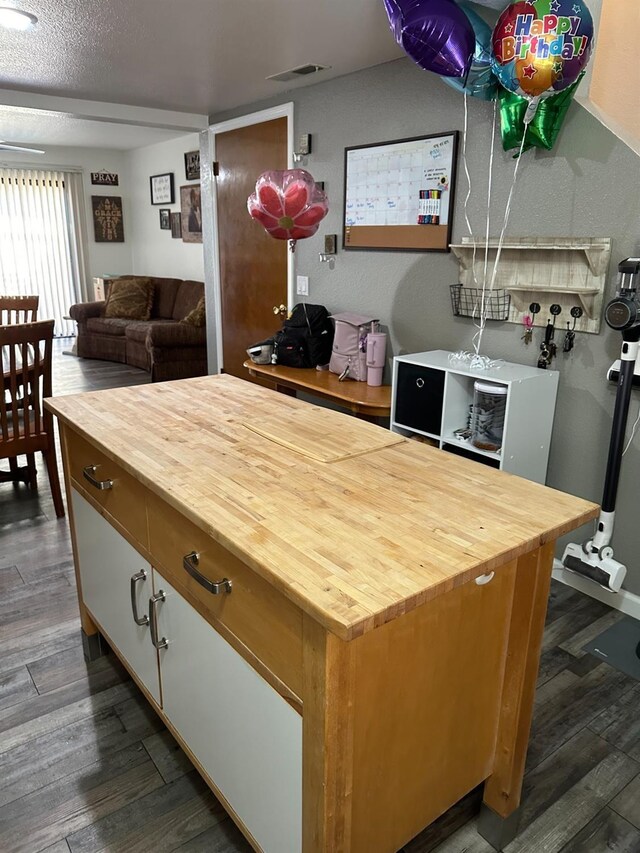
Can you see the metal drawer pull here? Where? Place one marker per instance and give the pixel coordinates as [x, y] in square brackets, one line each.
[153, 620]
[189, 564]
[481, 580]
[420, 382]
[139, 576]
[88, 473]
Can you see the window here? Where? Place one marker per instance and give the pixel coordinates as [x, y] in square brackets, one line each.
[40, 244]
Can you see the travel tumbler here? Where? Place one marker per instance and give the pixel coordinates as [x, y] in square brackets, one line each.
[376, 352]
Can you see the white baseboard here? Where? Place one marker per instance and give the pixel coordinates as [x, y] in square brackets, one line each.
[625, 601]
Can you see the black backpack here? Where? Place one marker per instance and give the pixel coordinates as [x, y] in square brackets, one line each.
[306, 337]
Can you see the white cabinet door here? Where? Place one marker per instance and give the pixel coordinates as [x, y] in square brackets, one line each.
[247, 738]
[107, 564]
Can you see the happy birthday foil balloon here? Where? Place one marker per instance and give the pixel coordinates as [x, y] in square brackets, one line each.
[540, 47]
[480, 81]
[545, 127]
[436, 34]
[288, 204]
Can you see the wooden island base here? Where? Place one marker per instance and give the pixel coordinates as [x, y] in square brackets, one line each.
[343, 671]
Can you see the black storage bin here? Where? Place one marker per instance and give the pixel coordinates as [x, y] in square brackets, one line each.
[419, 397]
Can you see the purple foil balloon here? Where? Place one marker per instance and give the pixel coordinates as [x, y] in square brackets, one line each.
[436, 34]
[498, 5]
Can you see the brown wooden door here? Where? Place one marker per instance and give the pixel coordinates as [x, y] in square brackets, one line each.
[253, 266]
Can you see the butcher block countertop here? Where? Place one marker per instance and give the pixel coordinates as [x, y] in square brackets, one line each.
[353, 540]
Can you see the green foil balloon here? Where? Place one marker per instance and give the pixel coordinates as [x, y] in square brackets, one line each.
[512, 112]
[545, 127]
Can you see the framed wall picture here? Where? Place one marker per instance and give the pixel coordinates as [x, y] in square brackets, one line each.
[176, 225]
[108, 225]
[165, 219]
[162, 191]
[191, 212]
[192, 166]
[399, 195]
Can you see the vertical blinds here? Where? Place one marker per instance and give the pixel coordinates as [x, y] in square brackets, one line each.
[40, 243]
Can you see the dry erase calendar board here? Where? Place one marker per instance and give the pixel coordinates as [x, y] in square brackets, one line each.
[399, 195]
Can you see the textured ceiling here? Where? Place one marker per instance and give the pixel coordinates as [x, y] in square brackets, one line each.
[199, 56]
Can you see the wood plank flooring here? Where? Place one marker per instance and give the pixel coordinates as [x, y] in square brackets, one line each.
[86, 766]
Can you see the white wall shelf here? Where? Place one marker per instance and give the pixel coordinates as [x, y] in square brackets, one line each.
[431, 396]
[569, 272]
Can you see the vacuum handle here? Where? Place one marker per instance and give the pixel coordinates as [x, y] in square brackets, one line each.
[616, 445]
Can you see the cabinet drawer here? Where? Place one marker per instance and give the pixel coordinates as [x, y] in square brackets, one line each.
[124, 501]
[257, 614]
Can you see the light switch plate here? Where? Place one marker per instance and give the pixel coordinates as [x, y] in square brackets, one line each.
[302, 285]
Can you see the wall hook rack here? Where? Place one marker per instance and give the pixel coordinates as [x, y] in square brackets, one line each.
[567, 271]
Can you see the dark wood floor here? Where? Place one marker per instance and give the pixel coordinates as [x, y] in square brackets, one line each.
[86, 766]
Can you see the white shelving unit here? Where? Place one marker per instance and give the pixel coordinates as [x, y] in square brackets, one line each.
[567, 271]
[431, 396]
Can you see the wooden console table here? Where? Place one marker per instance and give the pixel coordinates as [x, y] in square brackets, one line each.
[364, 401]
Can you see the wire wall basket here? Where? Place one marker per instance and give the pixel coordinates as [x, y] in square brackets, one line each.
[467, 302]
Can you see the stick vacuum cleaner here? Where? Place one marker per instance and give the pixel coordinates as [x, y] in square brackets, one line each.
[594, 558]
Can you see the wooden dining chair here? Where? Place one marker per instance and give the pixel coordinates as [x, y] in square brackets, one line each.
[25, 426]
[18, 309]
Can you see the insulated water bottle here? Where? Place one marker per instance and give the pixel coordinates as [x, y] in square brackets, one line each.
[376, 351]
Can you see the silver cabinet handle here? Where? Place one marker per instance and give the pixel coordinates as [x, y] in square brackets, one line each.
[101, 485]
[420, 382]
[153, 620]
[189, 564]
[139, 576]
[481, 580]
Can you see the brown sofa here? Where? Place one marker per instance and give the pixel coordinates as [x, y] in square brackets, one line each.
[162, 345]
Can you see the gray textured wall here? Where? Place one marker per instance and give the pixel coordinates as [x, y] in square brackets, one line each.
[588, 186]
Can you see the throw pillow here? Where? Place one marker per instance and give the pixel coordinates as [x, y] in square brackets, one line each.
[197, 316]
[130, 299]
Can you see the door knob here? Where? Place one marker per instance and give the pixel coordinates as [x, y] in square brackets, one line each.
[282, 310]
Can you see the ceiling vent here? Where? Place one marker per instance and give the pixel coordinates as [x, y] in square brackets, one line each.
[295, 73]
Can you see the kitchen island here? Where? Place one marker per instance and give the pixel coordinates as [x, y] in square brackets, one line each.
[340, 626]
